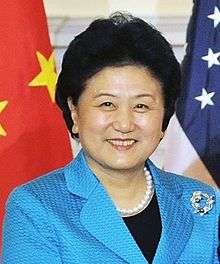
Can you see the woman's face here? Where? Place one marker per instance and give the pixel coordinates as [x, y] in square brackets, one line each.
[119, 117]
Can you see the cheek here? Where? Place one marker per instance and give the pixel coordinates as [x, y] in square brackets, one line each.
[151, 124]
[94, 121]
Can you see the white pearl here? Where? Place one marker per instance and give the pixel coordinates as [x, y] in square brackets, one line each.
[147, 195]
[139, 206]
[146, 199]
[143, 203]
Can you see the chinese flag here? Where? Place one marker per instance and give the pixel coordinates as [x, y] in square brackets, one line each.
[33, 138]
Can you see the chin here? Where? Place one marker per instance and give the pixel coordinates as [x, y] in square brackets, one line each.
[122, 164]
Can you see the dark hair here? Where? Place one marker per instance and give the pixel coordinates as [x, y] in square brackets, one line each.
[119, 40]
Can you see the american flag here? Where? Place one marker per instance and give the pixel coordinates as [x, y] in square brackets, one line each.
[193, 138]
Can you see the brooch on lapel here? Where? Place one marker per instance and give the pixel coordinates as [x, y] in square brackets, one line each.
[202, 202]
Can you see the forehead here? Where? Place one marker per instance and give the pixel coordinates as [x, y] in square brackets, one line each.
[123, 80]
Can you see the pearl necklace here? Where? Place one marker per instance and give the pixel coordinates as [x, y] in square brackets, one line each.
[144, 202]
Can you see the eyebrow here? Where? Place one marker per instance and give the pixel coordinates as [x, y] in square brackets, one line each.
[136, 96]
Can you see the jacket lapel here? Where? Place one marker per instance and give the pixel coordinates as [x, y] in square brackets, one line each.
[177, 220]
[101, 219]
[98, 214]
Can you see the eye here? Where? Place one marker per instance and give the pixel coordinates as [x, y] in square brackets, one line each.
[141, 107]
[107, 105]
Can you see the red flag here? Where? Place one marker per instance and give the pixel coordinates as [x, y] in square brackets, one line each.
[33, 138]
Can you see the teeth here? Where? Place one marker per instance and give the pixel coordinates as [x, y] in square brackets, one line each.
[122, 143]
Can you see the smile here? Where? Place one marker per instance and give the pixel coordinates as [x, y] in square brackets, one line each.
[122, 144]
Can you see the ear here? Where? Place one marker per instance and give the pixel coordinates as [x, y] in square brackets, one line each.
[74, 115]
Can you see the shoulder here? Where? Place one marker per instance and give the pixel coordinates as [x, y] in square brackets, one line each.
[189, 187]
[39, 190]
[187, 183]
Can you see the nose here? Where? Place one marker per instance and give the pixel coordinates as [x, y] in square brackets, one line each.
[124, 121]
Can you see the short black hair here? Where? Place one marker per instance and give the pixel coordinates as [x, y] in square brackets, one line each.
[121, 39]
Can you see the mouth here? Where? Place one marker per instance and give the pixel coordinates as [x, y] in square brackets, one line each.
[122, 144]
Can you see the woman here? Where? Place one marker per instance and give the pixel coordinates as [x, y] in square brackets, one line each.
[117, 90]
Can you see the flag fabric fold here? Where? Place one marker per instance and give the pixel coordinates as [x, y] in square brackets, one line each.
[193, 136]
[33, 137]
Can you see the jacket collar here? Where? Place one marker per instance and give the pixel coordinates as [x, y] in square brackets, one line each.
[98, 214]
[79, 177]
[109, 228]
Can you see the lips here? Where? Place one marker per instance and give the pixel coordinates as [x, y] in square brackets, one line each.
[122, 144]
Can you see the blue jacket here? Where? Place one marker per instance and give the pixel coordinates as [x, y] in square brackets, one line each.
[67, 217]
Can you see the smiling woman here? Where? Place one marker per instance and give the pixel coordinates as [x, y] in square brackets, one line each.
[117, 90]
[122, 110]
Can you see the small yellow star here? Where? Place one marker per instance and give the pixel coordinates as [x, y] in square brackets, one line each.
[47, 76]
[3, 104]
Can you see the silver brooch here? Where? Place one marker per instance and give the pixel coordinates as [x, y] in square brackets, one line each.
[202, 202]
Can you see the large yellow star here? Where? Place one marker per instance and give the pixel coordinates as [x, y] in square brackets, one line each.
[47, 76]
[3, 104]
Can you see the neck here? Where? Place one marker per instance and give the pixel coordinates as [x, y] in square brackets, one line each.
[125, 187]
[126, 192]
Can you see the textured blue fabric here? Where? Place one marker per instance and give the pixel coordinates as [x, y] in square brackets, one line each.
[67, 217]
